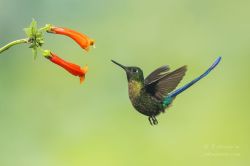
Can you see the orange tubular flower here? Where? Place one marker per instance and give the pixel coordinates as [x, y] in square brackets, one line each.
[84, 41]
[70, 67]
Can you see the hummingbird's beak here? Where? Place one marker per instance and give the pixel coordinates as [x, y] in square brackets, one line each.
[124, 67]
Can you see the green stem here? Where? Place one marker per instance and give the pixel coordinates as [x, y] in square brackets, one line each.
[45, 28]
[7, 46]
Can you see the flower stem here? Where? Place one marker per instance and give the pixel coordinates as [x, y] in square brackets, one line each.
[7, 46]
[45, 28]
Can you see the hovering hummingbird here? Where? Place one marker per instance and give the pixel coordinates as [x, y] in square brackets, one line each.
[155, 93]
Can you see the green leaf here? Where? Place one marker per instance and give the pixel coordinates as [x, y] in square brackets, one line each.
[32, 45]
[34, 51]
[32, 29]
[39, 34]
[28, 32]
[33, 26]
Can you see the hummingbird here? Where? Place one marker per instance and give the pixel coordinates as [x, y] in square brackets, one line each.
[154, 94]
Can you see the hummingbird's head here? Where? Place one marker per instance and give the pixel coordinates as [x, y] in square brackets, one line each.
[133, 72]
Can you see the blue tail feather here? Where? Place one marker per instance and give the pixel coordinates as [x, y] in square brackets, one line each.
[181, 89]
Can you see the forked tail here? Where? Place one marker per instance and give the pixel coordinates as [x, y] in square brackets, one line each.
[181, 89]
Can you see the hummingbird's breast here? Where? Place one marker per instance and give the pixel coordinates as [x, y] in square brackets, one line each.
[134, 89]
[142, 101]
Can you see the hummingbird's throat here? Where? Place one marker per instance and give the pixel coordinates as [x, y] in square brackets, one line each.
[134, 88]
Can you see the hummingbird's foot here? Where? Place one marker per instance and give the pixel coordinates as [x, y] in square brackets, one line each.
[152, 120]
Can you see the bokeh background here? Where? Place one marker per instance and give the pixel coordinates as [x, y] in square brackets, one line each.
[48, 119]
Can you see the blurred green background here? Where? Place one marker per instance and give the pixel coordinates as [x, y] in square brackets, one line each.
[48, 119]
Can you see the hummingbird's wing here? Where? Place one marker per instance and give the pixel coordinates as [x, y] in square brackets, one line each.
[164, 83]
[156, 75]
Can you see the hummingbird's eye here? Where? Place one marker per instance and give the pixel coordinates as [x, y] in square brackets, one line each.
[135, 70]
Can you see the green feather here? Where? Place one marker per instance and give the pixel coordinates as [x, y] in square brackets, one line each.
[167, 101]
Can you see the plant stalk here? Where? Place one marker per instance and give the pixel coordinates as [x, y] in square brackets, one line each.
[7, 46]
